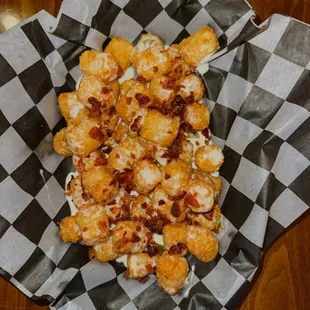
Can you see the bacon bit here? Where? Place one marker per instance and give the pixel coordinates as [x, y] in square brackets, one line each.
[117, 155]
[169, 131]
[85, 196]
[144, 279]
[216, 230]
[144, 205]
[155, 149]
[149, 268]
[135, 238]
[161, 202]
[208, 215]
[126, 274]
[133, 156]
[191, 200]
[128, 100]
[96, 134]
[124, 179]
[105, 90]
[141, 79]
[101, 161]
[84, 229]
[135, 125]
[175, 209]
[206, 133]
[91, 253]
[138, 228]
[175, 149]
[197, 143]
[111, 203]
[109, 132]
[155, 69]
[81, 166]
[112, 111]
[186, 127]
[176, 107]
[179, 248]
[167, 84]
[102, 225]
[190, 98]
[143, 100]
[152, 249]
[95, 107]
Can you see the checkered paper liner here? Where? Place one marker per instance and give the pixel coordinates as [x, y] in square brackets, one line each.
[259, 97]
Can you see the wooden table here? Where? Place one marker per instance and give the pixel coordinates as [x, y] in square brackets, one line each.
[283, 282]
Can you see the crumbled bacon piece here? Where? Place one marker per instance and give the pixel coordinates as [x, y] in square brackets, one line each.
[175, 149]
[102, 225]
[186, 127]
[96, 134]
[206, 133]
[143, 100]
[135, 125]
[167, 84]
[126, 274]
[161, 202]
[81, 166]
[155, 69]
[208, 215]
[144, 205]
[191, 200]
[95, 107]
[109, 132]
[144, 279]
[105, 90]
[124, 179]
[141, 79]
[177, 197]
[101, 161]
[91, 253]
[135, 238]
[152, 249]
[179, 248]
[176, 209]
[190, 98]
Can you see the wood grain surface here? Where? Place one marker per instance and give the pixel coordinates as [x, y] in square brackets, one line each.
[283, 280]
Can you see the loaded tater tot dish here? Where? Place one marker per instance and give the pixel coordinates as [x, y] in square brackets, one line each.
[147, 186]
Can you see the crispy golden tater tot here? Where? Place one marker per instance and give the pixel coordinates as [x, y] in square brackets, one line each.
[141, 264]
[199, 45]
[197, 115]
[70, 230]
[174, 233]
[122, 50]
[209, 158]
[105, 251]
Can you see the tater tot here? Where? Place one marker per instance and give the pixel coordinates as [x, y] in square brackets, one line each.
[141, 264]
[137, 97]
[200, 195]
[159, 129]
[73, 110]
[162, 88]
[209, 158]
[90, 87]
[70, 230]
[201, 243]
[210, 220]
[190, 88]
[60, 143]
[173, 211]
[171, 273]
[174, 233]
[130, 237]
[199, 45]
[197, 115]
[79, 197]
[146, 41]
[86, 137]
[105, 251]
[152, 61]
[179, 66]
[93, 223]
[146, 176]
[128, 152]
[102, 65]
[177, 174]
[121, 49]
[217, 186]
[96, 182]
[124, 87]
[96, 158]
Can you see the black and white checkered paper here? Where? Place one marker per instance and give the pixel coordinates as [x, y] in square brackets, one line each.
[259, 96]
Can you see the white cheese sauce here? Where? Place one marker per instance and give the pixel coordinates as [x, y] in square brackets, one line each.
[123, 260]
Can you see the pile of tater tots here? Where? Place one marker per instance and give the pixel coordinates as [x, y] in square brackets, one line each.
[145, 161]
